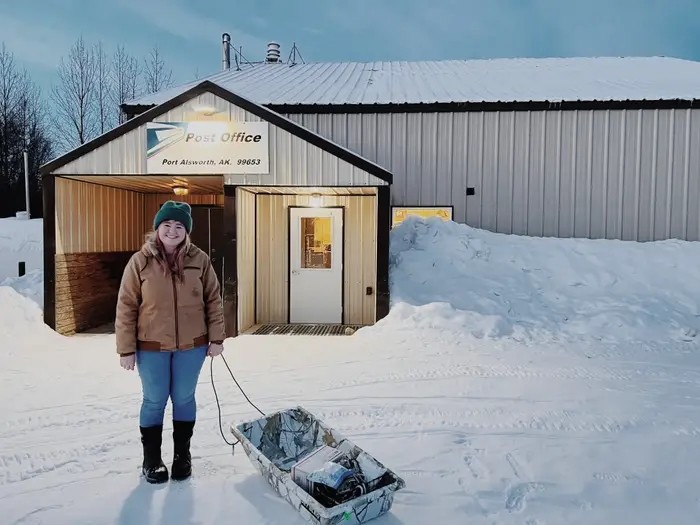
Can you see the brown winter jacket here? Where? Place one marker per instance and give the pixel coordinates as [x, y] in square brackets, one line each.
[157, 312]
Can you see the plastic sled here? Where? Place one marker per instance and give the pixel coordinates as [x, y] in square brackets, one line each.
[274, 444]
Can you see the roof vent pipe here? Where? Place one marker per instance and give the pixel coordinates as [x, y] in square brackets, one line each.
[273, 52]
[226, 43]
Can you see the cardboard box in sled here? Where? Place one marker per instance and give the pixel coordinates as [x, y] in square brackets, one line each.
[290, 438]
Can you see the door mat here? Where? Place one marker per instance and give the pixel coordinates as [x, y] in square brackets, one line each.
[306, 329]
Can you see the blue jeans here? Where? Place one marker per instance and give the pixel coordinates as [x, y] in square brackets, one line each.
[171, 375]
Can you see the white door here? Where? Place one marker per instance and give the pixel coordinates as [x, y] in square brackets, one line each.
[316, 265]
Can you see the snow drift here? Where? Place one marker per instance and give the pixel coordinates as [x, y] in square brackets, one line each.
[30, 285]
[21, 317]
[446, 275]
[452, 278]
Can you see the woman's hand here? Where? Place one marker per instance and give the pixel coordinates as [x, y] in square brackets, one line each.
[215, 349]
[127, 361]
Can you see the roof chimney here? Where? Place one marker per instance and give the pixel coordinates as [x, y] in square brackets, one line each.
[273, 52]
[226, 44]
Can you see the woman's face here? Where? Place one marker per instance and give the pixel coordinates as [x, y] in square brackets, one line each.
[171, 233]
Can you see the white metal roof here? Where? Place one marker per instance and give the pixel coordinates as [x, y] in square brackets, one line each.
[494, 80]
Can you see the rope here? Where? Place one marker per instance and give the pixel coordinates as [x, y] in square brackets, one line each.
[218, 405]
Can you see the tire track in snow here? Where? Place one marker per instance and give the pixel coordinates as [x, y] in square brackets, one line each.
[682, 431]
[521, 372]
[616, 477]
[89, 416]
[33, 513]
[21, 467]
[484, 419]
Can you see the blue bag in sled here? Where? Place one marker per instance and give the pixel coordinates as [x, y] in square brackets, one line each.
[322, 474]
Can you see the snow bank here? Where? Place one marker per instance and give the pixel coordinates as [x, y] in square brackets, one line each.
[21, 298]
[446, 275]
[20, 240]
[21, 317]
[30, 285]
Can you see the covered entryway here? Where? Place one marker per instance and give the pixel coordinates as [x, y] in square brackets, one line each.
[297, 227]
[307, 256]
[100, 221]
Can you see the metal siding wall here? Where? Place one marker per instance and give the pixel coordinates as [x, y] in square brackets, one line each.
[646, 175]
[399, 156]
[412, 182]
[427, 186]
[245, 223]
[123, 156]
[473, 138]
[681, 175]
[444, 181]
[581, 188]
[535, 194]
[694, 174]
[519, 164]
[503, 174]
[272, 255]
[616, 174]
[628, 200]
[664, 165]
[91, 218]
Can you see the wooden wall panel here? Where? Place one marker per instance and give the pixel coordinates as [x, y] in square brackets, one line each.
[91, 218]
[271, 258]
[245, 220]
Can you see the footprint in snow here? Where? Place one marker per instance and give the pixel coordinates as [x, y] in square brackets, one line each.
[517, 494]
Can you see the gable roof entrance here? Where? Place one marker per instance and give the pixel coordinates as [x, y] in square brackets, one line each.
[262, 112]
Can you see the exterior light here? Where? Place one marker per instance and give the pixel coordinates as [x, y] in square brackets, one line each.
[180, 190]
[315, 200]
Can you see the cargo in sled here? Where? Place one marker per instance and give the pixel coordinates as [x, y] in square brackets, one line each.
[321, 473]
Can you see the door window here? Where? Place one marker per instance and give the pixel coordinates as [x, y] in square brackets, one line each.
[316, 242]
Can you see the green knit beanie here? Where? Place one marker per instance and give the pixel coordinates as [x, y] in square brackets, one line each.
[174, 211]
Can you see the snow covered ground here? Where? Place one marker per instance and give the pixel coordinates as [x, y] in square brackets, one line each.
[515, 381]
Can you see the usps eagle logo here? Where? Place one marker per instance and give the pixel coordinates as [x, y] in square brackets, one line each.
[161, 135]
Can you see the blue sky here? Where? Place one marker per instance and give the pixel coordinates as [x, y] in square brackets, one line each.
[40, 32]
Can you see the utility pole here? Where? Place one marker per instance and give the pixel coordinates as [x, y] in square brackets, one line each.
[25, 126]
[26, 173]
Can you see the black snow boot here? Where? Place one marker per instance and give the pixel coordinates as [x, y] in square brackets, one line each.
[153, 468]
[182, 460]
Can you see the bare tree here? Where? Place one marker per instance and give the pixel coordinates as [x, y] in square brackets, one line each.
[125, 80]
[74, 97]
[12, 83]
[22, 126]
[34, 131]
[103, 90]
[156, 76]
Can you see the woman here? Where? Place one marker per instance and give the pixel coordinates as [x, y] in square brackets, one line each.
[169, 318]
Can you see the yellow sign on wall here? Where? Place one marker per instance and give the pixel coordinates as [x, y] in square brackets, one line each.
[400, 213]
